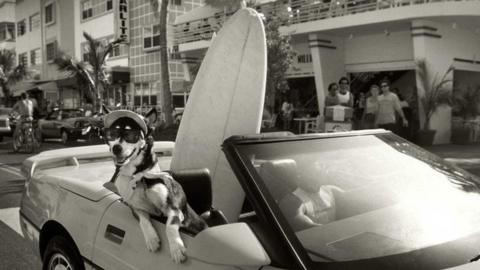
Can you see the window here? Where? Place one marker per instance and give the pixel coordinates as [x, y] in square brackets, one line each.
[51, 51]
[35, 57]
[151, 37]
[7, 31]
[23, 59]
[109, 4]
[21, 28]
[49, 13]
[34, 21]
[304, 58]
[87, 9]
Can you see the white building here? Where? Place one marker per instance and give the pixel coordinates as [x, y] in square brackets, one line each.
[364, 40]
[7, 24]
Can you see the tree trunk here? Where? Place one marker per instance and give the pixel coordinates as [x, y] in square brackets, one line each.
[164, 68]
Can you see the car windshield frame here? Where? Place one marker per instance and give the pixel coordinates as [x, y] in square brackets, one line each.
[266, 208]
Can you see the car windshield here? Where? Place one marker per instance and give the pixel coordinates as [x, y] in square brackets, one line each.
[363, 197]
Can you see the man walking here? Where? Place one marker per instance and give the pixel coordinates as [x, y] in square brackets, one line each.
[388, 104]
[24, 107]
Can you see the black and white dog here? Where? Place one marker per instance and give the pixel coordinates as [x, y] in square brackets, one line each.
[143, 185]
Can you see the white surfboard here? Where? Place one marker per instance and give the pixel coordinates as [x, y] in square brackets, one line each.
[226, 99]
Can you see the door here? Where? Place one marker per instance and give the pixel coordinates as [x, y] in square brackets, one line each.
[120, 244]
[47, 125]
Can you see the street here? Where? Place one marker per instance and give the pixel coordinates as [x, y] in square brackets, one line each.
[15, 253]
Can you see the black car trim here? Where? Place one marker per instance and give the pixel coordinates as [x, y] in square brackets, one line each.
[92, 264]
[261, 205]
[29, 221]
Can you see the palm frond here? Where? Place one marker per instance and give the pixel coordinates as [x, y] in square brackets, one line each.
[436, 93]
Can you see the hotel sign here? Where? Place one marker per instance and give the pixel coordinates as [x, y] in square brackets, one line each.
[122, 23]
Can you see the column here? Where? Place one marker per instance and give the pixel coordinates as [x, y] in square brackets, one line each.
[428, 39]
[328, 60]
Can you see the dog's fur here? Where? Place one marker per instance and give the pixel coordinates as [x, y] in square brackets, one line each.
[150, 191]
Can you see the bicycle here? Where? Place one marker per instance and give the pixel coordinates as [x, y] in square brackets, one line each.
[27, 137]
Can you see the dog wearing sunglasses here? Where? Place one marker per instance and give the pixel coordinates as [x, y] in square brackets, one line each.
[143, 185]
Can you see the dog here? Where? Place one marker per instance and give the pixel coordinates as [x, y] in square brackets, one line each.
[143, 185]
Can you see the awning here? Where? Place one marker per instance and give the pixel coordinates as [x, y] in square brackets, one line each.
[119, 74]
[48, 86]
[22, 87]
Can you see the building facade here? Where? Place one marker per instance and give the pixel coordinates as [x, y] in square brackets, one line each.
[7, 24]
[364, 41]
[145, 54]
[45, 27]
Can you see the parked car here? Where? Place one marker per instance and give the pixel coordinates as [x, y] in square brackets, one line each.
[5, 127]
[385, 204]
[66, 124]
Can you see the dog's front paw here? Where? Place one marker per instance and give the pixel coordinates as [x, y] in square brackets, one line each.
[153, 244]
[177, 252]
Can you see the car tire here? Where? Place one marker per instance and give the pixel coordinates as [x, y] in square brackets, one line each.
[1, 138]
[65, 137]
[61, 252]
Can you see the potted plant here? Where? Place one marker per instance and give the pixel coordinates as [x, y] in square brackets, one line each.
[465, 108]
[436, 93]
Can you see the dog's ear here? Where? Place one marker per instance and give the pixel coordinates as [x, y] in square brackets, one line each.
[105, 109]
[151, 117]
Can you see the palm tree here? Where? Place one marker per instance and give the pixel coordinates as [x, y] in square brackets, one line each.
[81, 70]
[160, 12]
[9, 73]
[98, 53]
[91, 74]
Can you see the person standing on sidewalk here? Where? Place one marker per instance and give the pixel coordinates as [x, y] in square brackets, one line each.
[287, 114]
[388, 104]
[345, 97]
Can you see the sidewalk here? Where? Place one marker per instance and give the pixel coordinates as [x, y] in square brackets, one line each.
[466, 156]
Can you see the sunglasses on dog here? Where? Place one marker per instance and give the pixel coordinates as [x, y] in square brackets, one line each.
[129, 135]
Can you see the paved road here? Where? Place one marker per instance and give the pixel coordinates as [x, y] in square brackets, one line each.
[15, 253]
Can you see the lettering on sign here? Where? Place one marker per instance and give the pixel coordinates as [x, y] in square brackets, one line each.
[122, 21]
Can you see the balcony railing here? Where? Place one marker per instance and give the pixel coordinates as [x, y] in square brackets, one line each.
[297, 11]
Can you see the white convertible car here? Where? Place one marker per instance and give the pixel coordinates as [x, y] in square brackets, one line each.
[357, 200]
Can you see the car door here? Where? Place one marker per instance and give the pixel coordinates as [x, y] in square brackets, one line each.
[120, 244]
[47, 125]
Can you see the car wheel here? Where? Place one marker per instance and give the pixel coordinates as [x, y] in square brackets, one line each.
[1, 138]
[61, 254]
[65, 137]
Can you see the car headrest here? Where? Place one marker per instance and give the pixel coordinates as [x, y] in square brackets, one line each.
[197, 185]
[280, 176]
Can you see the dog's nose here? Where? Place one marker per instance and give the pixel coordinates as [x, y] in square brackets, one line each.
[117, 149]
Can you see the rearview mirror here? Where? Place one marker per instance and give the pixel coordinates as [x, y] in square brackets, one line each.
[229, 244]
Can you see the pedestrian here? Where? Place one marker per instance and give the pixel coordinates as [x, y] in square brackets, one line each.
[344, 95]
[287, 114]
[371, 108]
[332, 99]
[388, 104]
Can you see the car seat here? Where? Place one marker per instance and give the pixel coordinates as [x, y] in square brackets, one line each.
[197, 185]
[280, 177]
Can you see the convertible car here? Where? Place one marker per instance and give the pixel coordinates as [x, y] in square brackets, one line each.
[353, 200]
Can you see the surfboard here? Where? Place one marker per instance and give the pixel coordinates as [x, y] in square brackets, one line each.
[226, 99]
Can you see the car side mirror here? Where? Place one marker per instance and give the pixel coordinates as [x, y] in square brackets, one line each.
[229, 244]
